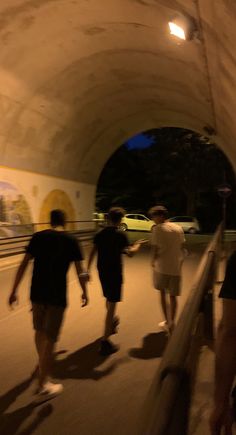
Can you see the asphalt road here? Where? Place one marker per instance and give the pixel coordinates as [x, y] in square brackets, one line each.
[101, 395]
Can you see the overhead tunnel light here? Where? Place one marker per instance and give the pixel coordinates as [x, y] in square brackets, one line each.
[183, 27]
[176, 30]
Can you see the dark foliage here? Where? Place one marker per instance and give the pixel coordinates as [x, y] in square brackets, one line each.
[181, 170]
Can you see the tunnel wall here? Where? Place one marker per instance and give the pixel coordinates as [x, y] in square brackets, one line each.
[36, 188]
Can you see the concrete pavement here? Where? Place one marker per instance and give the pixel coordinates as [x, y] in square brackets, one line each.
[102, 396]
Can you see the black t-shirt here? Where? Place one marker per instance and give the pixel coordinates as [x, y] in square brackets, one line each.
[228, 289]
[110, 244]
[53, 251]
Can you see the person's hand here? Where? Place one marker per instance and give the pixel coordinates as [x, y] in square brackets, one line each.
[84, 300]
[221, 420]
[141, 242]
[13, 300]
[185, 252]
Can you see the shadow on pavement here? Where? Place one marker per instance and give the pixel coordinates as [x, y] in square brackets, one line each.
[153, 346]
[11, 421]
[83, 363]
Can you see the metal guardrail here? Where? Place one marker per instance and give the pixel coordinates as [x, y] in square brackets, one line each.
[12, 245]
[166, 410]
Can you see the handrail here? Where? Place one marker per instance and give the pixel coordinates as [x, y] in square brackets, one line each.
[172, 368]
[7, 224]
[15, 244]
[10, 246]
[12, 230]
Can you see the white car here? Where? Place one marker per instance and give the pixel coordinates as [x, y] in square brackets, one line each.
[136, 222]
[188, 223]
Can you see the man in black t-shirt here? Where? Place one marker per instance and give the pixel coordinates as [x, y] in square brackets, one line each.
[225, 358]
[110, 244]
[52, 251]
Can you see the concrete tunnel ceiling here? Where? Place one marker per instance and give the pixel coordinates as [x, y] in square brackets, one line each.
[79, 77]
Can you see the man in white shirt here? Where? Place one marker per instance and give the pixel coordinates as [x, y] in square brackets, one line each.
[167, 258]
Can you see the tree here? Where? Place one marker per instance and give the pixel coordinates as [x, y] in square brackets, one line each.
[181, 169]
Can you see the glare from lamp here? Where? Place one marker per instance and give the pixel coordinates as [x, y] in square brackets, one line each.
[177, 30]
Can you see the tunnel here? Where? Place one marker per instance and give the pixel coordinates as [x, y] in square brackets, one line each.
[78, 78]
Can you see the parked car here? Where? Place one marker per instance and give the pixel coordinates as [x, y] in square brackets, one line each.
[100, 219]
[188, 223]
[136, 222]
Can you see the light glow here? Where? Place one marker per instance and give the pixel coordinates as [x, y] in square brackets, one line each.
[177, 30]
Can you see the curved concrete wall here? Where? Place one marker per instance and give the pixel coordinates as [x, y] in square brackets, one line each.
[43, 193]
[78, 78]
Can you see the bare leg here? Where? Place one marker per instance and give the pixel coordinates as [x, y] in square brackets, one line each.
[39, 343]
[45, 360]
[111, 306]
[164, 304]
[173, 308]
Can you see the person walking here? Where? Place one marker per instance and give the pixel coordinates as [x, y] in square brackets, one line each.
[223, 412]
[52, 251]
[167, 240]
[110, 244]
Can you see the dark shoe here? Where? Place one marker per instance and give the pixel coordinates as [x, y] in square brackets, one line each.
[116, 322]
[108, 348]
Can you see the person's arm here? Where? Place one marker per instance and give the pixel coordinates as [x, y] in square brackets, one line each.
[91, 257]
[183, 245]
[132, 249]
[83, 279]
[13, 298]
[225, 368]
[154, 246]
[154, 254]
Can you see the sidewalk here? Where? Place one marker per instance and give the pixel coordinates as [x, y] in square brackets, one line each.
[10, 262]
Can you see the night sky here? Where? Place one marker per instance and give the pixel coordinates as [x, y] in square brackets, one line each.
[139, 142]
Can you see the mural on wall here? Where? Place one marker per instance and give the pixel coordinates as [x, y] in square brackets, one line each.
[15, 215]
[57, 199]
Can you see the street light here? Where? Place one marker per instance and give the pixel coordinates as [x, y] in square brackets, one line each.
[183, 27]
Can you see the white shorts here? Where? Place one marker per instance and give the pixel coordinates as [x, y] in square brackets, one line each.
[168, 283]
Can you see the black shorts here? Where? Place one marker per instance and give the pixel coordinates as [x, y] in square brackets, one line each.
[111, 285]
[228, 291]
[48, 319]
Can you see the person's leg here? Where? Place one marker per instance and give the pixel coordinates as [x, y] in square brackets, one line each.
[45, 360]
[111, 307]
[47, 390]
[107, 347]
[164, 304]
[173, 309]
[45, 342]
[39, 341]
[39, 313]
[174, 290]
[225, 369]
[115, 323]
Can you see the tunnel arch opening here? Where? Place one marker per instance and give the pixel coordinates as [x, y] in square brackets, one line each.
[177, 167]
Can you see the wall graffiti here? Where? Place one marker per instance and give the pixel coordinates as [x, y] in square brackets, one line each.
[15, 214]
[57, 199]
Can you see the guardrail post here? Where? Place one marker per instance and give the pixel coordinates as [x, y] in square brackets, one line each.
[208, 307]
[208, 316]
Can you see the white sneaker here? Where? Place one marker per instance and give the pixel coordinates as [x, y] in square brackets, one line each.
[48, 391]
[164, 325]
